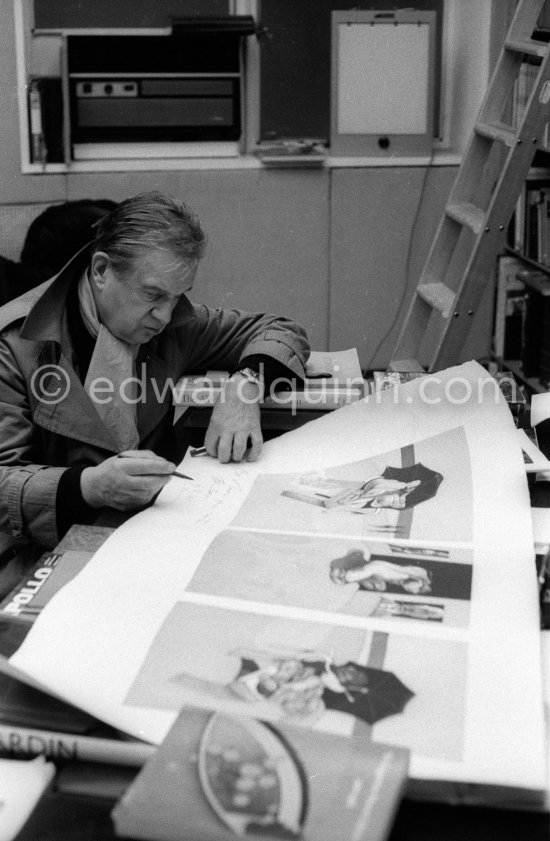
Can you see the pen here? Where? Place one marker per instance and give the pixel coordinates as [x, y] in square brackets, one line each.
[175, 473]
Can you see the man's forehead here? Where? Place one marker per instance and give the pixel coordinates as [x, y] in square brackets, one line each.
[163, 270]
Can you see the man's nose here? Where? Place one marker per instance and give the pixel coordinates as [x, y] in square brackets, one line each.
[163, 312]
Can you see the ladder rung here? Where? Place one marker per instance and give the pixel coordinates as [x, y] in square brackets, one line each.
[439, 296]
[529, 47]
[496, 131]
[407, 366]
[467, 214]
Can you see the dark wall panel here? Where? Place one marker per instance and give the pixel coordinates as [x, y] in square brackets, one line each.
[295, 63]
[69, 14]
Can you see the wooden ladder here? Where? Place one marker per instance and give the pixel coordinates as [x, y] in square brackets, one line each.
[495, 164]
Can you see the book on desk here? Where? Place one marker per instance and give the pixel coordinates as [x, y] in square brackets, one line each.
[216, 777]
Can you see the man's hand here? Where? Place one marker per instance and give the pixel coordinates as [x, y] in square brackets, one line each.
[235, 422]
[129, 480]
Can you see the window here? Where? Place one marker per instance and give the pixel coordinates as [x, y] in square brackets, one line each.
[284, 81]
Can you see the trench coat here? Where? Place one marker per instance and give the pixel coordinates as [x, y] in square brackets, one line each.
[44, 430]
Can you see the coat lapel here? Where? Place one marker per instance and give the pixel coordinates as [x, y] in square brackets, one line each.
[72, 416]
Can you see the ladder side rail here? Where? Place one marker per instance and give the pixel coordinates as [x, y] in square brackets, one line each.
[435, 268]
[508, 186]
[436, 264]
[490, 112]
[500, 85]
[481, 158]
[525, 19]
[500, 210]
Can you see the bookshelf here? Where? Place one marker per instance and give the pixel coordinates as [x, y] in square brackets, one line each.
[521, 329]
[532, 384]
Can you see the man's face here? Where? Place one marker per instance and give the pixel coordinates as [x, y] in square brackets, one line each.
[139, 305]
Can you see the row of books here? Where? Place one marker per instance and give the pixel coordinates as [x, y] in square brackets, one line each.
[31, 721]
[521, 330]
[530, 228]
[522, 90]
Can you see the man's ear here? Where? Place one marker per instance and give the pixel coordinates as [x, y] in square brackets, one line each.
[98, 265]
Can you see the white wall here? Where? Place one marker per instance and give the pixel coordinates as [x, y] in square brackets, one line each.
[466, 51]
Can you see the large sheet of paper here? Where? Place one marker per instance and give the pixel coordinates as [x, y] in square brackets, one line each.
[274, 589]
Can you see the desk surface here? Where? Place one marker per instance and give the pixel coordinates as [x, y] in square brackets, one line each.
[66, 817]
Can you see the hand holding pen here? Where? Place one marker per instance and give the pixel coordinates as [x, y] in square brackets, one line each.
[127, 481]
